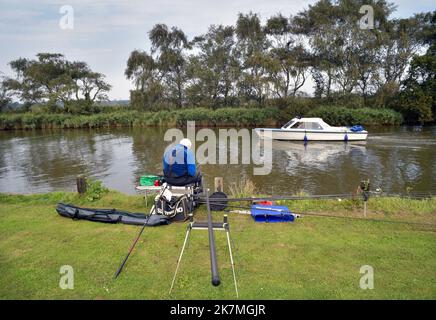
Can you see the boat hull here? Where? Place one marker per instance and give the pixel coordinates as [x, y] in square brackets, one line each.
[311, 135]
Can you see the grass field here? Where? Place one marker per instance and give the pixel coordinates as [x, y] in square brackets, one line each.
[313, 258]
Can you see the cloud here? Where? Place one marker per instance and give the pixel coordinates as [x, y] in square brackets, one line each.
[106, 31]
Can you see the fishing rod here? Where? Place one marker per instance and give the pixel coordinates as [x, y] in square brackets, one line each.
[266, 208]
[153, 209]
[213, 261]
[277, 198]
[315, 197]
[120, 269]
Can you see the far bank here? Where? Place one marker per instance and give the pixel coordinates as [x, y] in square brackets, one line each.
[235, 117]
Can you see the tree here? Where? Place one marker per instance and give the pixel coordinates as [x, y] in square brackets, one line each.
[88, 85]
[417, 100]
[344, 54]
[252, 62]
[289, 60]
[142, 70]
[252, 52]
[213, 71]
[5, 94]
[168, 45]
[55, 82]
[400, 41]
[27, 90]
[317, 25]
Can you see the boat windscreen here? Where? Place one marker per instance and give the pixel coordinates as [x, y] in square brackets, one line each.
[288, 124]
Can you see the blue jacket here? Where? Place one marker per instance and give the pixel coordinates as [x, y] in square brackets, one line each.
[179, 161]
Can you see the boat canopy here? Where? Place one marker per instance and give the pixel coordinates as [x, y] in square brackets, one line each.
[306, 123]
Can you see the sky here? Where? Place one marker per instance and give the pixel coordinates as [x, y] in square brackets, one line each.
[104, 32]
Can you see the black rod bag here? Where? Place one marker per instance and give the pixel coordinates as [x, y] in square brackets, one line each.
[110, 215]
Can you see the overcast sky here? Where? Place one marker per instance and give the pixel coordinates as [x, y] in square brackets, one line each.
[105, 32]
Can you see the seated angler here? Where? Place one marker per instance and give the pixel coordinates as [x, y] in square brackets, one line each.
[179, 165]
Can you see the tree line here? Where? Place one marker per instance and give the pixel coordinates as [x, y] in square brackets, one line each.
[253, 63]
[257, 63]
[50, 83]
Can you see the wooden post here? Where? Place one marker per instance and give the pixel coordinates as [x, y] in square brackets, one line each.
[81, 184]
[364, 209]
[219, 186]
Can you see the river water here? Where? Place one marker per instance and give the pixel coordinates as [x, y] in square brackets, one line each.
[396, 159]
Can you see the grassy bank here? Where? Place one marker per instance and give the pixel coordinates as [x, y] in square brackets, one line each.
[313, 258]
[238, 117]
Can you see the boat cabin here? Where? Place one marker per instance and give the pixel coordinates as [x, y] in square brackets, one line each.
[306, 124]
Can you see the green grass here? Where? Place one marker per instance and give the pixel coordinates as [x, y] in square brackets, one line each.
[313, 258]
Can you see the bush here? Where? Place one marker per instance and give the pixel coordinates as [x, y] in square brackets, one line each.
[341, 116]
[95, 189]
[244, 117]
[227, 116]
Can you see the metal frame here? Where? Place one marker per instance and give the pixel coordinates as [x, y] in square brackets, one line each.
[220, 226]
[176, 190]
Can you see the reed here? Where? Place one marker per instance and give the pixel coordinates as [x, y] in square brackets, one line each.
[132, 118]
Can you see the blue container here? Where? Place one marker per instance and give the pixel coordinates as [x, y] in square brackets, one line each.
[356, 128]
[262, 213]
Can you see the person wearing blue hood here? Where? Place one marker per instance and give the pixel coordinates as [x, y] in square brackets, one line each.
[179, 165]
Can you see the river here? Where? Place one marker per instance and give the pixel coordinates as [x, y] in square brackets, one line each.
[395, 159]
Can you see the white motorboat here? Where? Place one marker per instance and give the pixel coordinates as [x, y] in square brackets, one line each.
[313, 129]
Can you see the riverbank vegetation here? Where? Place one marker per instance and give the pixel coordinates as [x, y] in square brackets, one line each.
[255, 63]
[133, 118]
[312, 258]
[366, 116]
[237, 117]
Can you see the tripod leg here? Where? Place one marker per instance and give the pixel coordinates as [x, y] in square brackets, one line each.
[231, 260]
[180, 257]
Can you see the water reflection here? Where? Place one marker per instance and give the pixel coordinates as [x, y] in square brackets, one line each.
[315, 155]
[393, 158]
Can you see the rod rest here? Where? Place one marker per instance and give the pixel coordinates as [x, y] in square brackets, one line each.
[203, 225]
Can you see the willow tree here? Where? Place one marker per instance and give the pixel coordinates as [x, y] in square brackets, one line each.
[345, 54]
[289, 60]
[168, 45]
[214, 70]
[143, 72]
[316, 24]
[252, 51]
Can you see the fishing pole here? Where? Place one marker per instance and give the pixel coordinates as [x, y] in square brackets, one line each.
[153, 208]
[277, 198]
[266, 208]
[133, 246]
[213, 261]
[314, 197]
